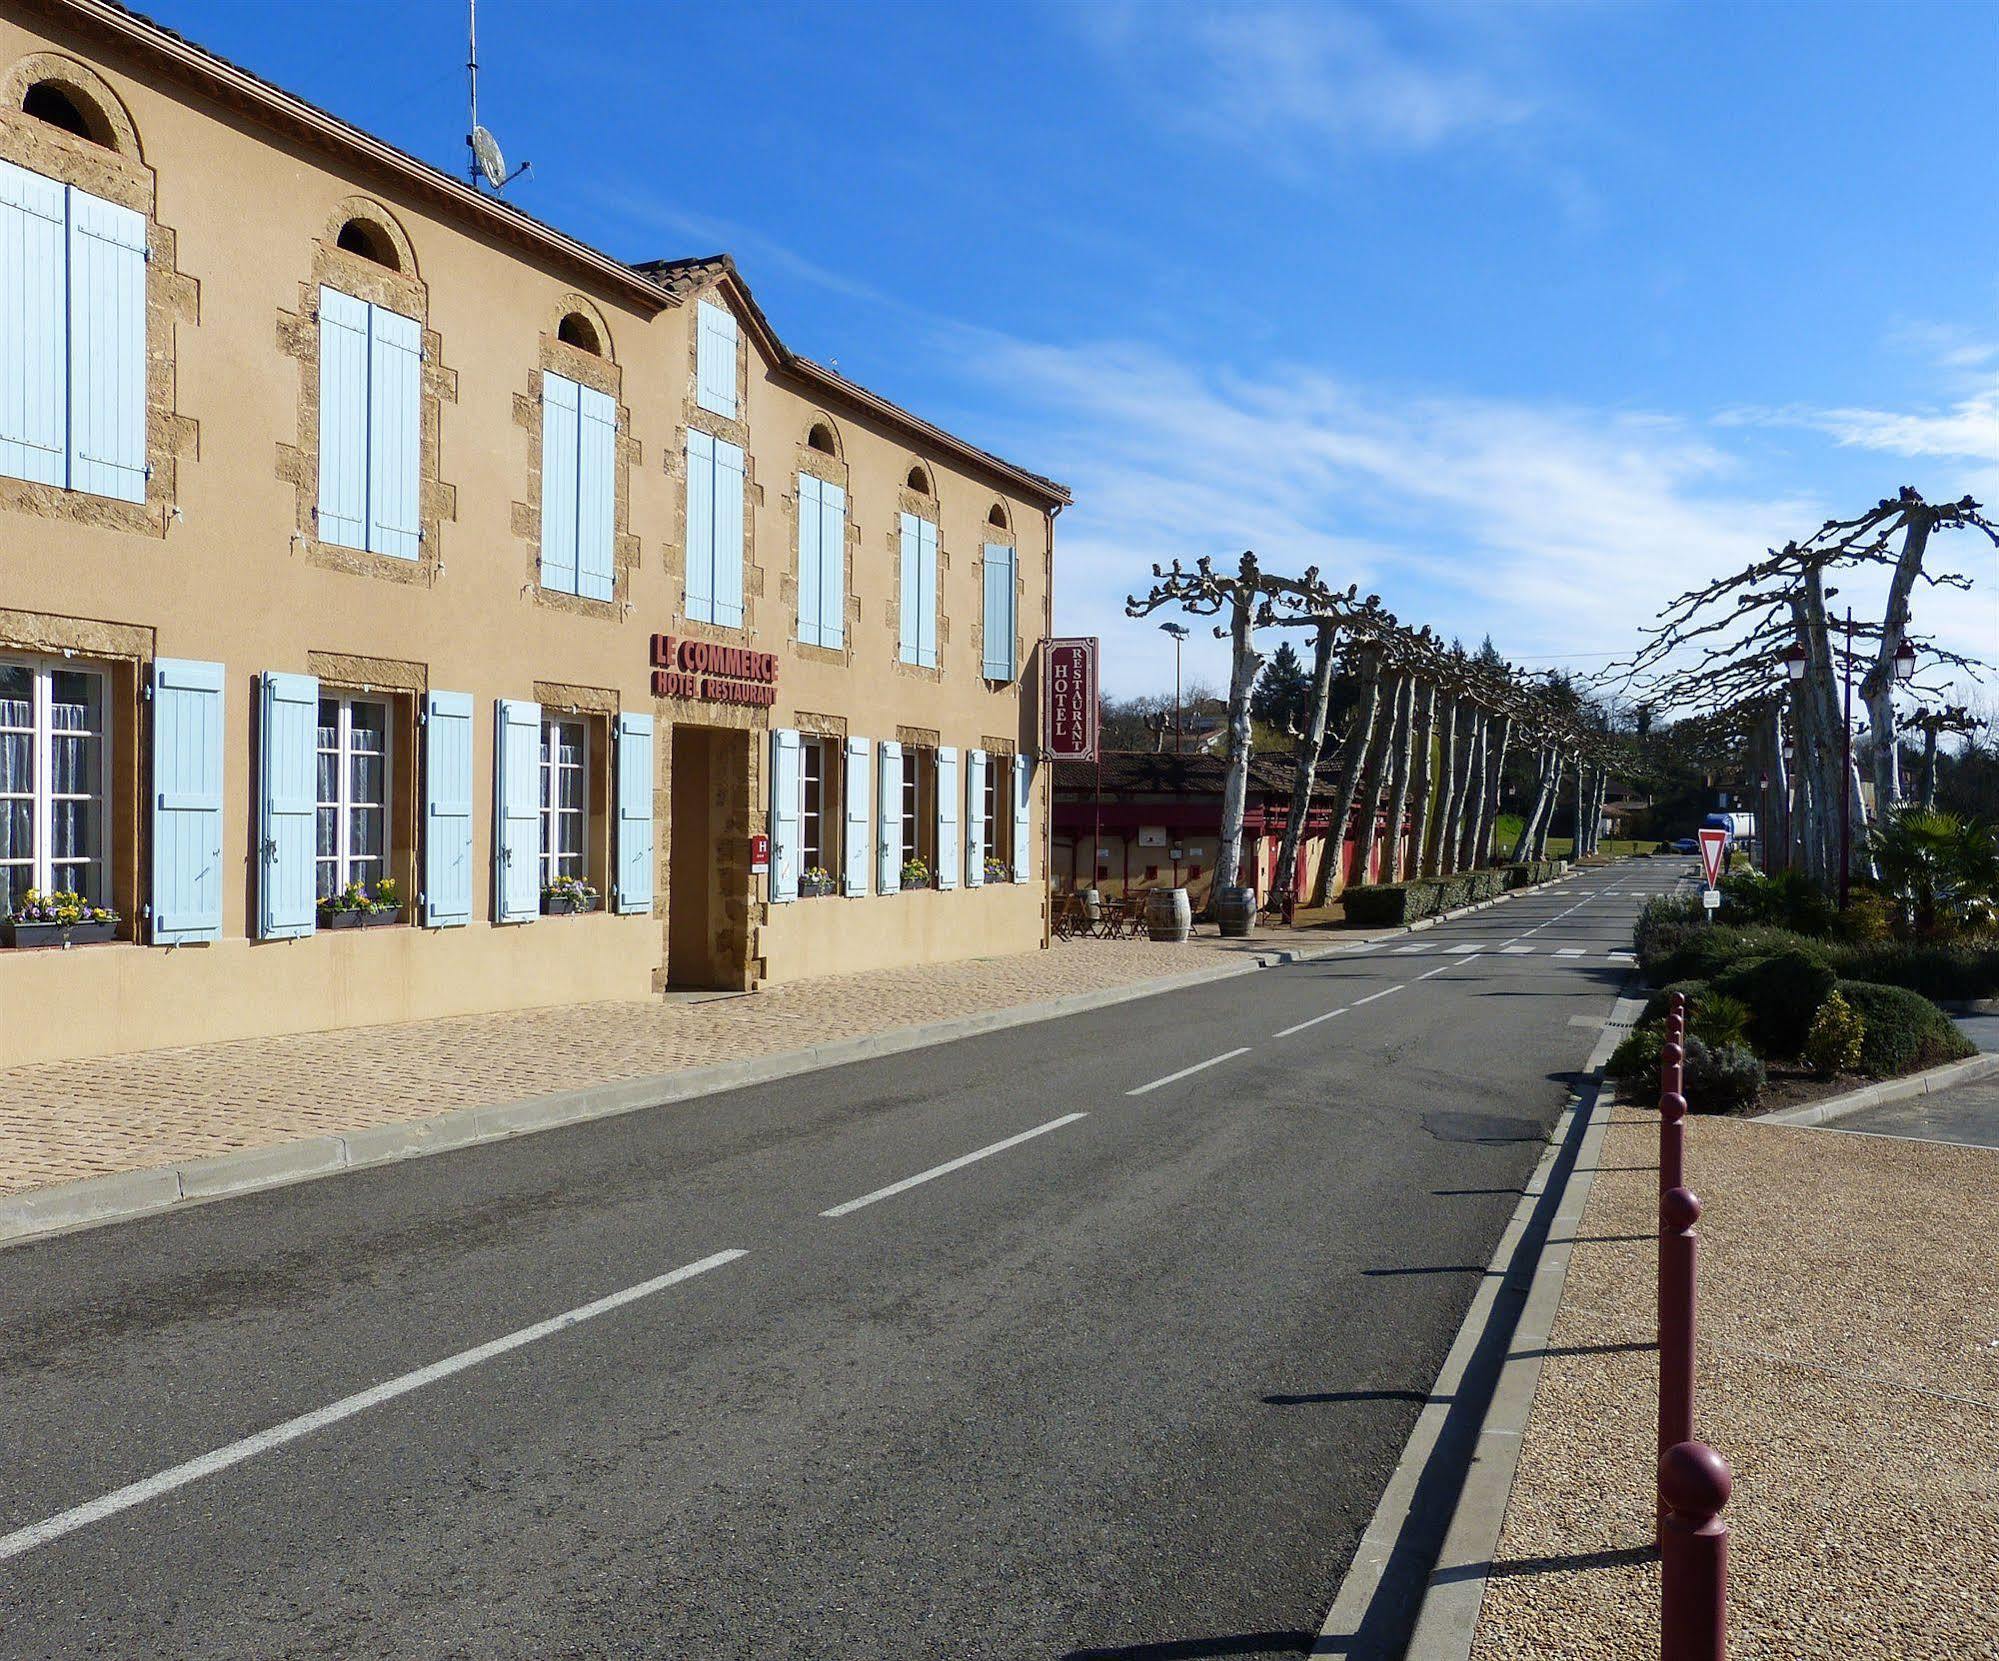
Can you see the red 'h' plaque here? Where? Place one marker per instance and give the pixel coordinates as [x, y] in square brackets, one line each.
[1069, 701]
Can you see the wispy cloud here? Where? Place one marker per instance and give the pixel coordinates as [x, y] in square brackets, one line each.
[1968, 428]
[1284, 79]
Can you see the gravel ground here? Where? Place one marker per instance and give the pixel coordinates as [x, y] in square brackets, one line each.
[1849, 1372]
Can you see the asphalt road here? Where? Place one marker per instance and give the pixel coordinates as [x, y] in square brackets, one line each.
[1127, 1386]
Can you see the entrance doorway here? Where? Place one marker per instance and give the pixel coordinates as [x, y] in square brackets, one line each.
[708, 879]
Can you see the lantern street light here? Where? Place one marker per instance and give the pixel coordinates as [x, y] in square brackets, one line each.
[1905, 661]
[1794, 661]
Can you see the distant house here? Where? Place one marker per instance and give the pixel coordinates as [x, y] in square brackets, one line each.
[1154, 821]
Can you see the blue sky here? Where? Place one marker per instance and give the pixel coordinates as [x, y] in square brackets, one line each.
[1524, 316]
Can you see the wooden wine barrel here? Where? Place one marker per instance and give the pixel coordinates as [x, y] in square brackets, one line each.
[1235, 911]
[1168, 915]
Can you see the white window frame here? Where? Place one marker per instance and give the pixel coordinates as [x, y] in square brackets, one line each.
[343, 858]
[815, 824]
[550, 813]
[40, 795]
[997, 795]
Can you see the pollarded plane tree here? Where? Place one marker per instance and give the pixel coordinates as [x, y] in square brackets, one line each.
[1728, 644]
[1202, 591]
[1932, 723]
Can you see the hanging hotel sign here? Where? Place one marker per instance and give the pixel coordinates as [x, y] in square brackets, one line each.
[1069, 707]
[717, 674]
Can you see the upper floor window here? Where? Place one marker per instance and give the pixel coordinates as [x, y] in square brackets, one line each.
[822, 562]
[579, 449]
[1000, 619]
[577, 330]
[72, 338]
[714, 530]
[59, 107]
[715, 359]
[370, 424]
[357, 236]
[54, 763]
[917, 614]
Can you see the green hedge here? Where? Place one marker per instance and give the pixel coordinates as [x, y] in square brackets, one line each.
[1782, 992]
[1905, 1032]
[1673, 947]
[1379, 903]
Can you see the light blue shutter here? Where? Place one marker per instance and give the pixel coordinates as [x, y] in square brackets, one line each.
[34, 344]
[999, 622]
[728, 535]
[975, 818]
[926, 594]
[785, 831]
[343, 419]
[855, 804]
[908, 632]
[700, 527]
[832, 565]
[395, 432]
[948, 850]
[107, 349]
[596, 490]
[559, 422]
[715, 359]
[888, 841]
[288, 769]
[447, 811]
[516, 811]
[187, 801]
[810, 497]
[633, 890]
[1023, 818]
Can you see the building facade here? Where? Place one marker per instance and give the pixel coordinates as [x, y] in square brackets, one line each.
[361, 535]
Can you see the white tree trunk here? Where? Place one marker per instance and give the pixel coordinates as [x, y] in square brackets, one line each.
[1358, 738]
[1246, 661]
[1398, 793]
[1377, 772]
[1436, 858]
[1305, 771]
[1426, 778]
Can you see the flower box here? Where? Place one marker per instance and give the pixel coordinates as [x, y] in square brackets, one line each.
[810, 888]
[29, 936]
[568, 905]
[359, 919]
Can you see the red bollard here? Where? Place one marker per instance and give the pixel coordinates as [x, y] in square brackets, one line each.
[1695, 1482]
[1679, 1210]
[1672, 1143]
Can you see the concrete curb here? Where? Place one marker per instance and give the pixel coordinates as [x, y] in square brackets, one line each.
[1888, 1090]
[128, 1194]
[1368, 1611]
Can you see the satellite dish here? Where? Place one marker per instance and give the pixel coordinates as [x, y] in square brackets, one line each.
[486, 152]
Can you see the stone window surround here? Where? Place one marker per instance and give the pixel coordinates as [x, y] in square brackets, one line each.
[928, 507]
[828, 469]
[597, 708]
[736, 432]
[403, 291]
[117, 173]
[601, 373]
[989, 532]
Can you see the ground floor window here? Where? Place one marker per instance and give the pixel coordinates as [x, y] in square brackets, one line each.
[353, 820]
[54, 761]
[998, 811]
[919, 807]
[565, 759]
[819, 820]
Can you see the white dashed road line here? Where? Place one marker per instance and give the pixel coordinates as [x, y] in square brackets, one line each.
[961, 1162]
[1186, 1072]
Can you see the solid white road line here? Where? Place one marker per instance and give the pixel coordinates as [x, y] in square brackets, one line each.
[207, 1464]
[1187, 1072]
[1315, 1020]
[951, 1165]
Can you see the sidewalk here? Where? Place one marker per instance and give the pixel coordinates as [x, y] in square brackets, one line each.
[60, 1122]
[1849, 1373]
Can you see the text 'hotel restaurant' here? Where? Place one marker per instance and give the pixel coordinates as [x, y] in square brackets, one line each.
[362, 536]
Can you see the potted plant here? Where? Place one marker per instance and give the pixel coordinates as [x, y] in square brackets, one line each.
[567, 896]
[997, 870]
[357, 907]
[57, 917]
[813, 881]
[916, 874]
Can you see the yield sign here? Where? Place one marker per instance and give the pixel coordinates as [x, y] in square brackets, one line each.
[1714, 846]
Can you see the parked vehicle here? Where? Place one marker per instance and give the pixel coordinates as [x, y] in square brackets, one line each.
[1686, 845]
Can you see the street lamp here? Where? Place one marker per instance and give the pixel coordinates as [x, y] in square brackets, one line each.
[1179, 632]
[1794, 661]
[1905, 662]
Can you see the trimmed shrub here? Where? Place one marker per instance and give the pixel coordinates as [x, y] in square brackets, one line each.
[1941, 973]
[1834, 1043]
[1660, 1004]
[1389, 903]
[1664, 925]
[1722, 1078]
[1783, 993]
[1635, 1061]
[1789, 900]
[1867, 920]
[1711, 952]
[1904, 1031]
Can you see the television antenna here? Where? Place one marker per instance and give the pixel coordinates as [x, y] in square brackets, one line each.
[488, 161]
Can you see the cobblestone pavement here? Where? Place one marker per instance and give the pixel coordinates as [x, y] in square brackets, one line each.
[1848, 1371]
[64, 1120]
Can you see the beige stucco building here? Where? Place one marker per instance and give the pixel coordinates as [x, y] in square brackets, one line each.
[355, 526]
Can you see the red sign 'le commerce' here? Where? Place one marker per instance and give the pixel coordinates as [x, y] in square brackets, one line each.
[1069, 699]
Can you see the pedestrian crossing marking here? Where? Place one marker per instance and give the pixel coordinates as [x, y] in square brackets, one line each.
[1570, 951]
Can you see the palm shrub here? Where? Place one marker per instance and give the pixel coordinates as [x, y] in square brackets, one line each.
[1835, 1042]
[1941, 869]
